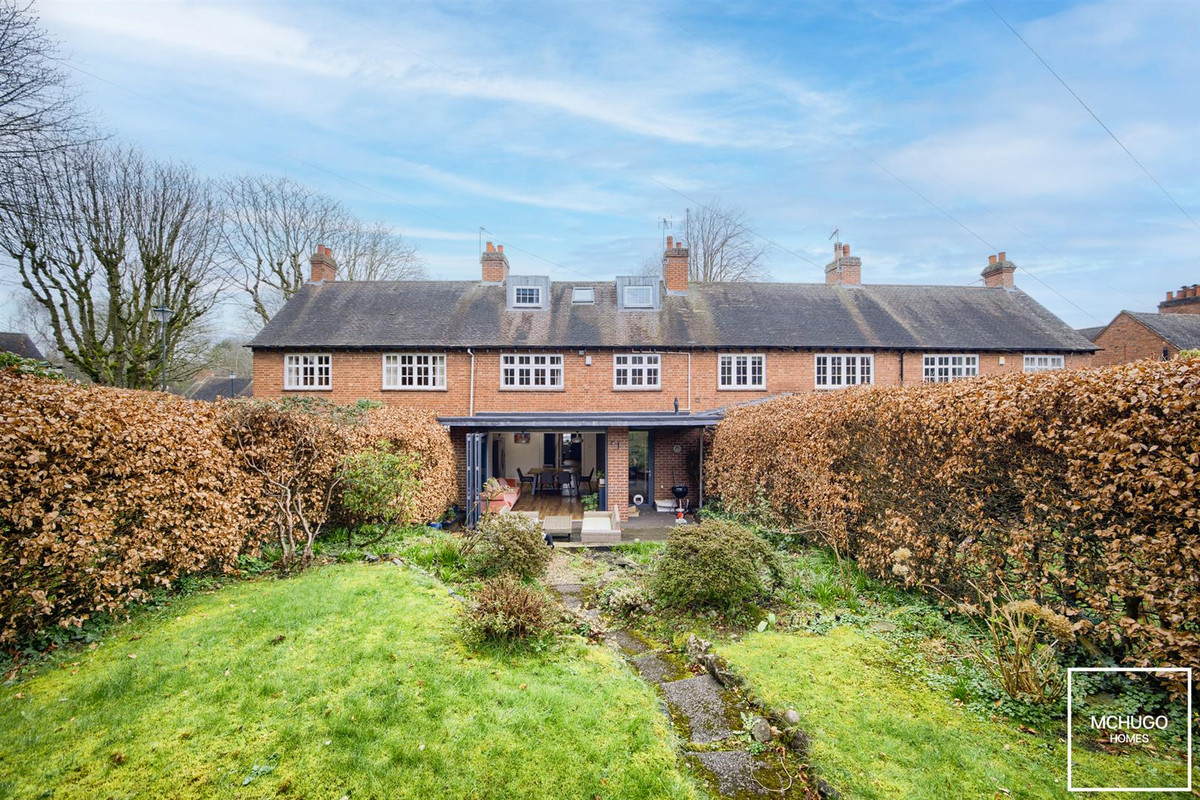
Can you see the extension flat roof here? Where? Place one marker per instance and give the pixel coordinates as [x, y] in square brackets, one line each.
[573, 421]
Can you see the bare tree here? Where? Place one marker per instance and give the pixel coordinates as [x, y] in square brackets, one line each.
[37, 112]
[100, 237]
[721, 246]
[273, 224]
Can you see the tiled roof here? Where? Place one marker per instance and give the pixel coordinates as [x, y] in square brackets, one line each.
[1090, 333]
[1181, 330]
[456, 314]
[21, 344]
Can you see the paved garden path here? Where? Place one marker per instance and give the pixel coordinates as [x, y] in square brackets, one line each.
[708, 717]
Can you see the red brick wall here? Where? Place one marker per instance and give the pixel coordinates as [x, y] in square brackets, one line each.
[670, 466]
[1126, 339]
[617, 471]
[358, 375]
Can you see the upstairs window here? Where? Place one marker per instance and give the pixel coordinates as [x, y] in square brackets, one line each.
[583, 296]
[414, 371]
[637, 371]
[1043, 363]
[942, 368]
[527, 296]
[531, 372]
[307, 371]
[834, 371]
[737, 371]
[639, 297]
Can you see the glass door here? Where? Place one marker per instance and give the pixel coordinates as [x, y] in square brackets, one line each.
[641, 477]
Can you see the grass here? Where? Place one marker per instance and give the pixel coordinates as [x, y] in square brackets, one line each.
[875, 734]
[348, 680]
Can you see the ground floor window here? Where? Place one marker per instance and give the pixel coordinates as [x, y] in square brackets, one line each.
[941, 368]
[1043, 363]
[307, 371]
[835, 370]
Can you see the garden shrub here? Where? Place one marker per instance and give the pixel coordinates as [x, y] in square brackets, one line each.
[717, 564]
[380, 486]
[625, 598]
[105, 496]
[504, 610]
[507, 544]
[1078, 488]
[416, 434]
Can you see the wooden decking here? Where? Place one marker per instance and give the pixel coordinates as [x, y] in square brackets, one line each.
[549, 505]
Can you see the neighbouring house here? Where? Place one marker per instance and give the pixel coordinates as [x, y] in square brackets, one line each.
[551, 383]
[210, 388]
[1134, 335]
[20, 344]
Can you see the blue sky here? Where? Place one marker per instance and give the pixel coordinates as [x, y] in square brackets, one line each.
[569, 130]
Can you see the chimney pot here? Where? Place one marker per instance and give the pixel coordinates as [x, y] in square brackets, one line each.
[845, 251]
[1002, 256]
[499, 248]
[491, 248]
[670, 243]
[991, 260]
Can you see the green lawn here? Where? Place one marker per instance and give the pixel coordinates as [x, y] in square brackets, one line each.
[877, 735]
[345, 681]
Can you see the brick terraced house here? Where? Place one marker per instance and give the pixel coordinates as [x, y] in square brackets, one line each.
[1134, 335]
[550, 383]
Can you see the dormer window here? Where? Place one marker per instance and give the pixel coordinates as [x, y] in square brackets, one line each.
[583, 296]
[639, 297]
[527, 296]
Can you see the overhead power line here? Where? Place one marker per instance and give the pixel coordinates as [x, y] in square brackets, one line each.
[1094, 116]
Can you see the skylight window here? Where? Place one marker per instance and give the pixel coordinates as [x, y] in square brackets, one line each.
[583, 295]
[639, 297]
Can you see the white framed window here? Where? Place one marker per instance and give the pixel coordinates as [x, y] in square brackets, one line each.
[1043, 363]
[414, 371]
[307, 371]
[943, 367]
[532, 371]
[835, 370]
[639, 297]
[583, 295]
[741, 371]
[527, 296]
[637, 371]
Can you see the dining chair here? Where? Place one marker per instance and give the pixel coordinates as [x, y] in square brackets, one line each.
[589, 481]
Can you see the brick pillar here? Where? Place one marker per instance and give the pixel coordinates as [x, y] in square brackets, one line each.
[617, 472]
[458, 440]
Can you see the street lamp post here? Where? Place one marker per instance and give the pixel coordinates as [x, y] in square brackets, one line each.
[164, 315]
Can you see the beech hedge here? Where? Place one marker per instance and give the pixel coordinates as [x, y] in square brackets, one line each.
[107, 494]
[1079, 489]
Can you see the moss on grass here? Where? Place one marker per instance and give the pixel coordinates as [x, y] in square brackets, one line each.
[877, 735]
[347, 680]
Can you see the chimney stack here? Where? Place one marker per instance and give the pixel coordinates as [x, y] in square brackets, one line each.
[1184, 301]
[675, 267]
[494, 264]
[324, 267]
[999, 272]
[845, 269]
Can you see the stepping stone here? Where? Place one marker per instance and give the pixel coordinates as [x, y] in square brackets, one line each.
[626, 643]
[733, 770]
[569, 592]
[701, 703]
[652, 668]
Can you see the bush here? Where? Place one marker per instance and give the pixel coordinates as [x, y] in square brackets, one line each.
[105, 496]
[1080, 488]
[380, 486]
[504, 610]
[717, 564]
[507, 544]
[625, 599]
[416, 434]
